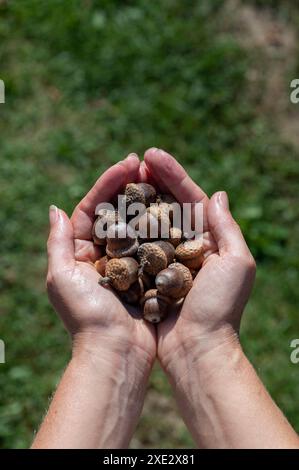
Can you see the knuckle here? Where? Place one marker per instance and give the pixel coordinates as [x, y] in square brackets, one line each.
[250, 264]
[49, 281]
[52, 281]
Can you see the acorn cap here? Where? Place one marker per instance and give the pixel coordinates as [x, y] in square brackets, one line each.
[189, 249]
[143, 193]
[120, 273]
[152, 258]
[193, 263]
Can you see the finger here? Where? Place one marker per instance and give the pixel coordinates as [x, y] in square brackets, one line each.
[86, 250]
[224, 228]
[145, 176]
[168, 171]
[106, 187]
[132, 164]
[61, 253]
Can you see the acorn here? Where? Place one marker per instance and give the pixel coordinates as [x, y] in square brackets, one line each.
[155, 306]
[134, 293]
[175, 281]
[168, 204]
[121, 241]
[120, 273]
[143, 193]
[105, 218]
[190, 253]
[175, 236]
[155, 222]
[168, 249]
[100, 265]
[154, 257]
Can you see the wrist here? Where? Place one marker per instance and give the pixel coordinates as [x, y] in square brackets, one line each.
[199, 349]
[117, 377]
[110, 348]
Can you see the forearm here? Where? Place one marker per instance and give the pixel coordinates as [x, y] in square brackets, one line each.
[225, 405]
[97, 403]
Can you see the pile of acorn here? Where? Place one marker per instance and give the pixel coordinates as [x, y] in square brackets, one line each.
[154, 273]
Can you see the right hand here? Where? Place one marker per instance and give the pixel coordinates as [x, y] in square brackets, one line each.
[212, 310]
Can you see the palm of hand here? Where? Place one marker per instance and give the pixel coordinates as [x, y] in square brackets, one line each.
[222, 286]
[217, 298]
[84, 305]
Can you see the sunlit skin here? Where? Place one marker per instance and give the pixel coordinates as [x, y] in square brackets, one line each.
[85, 307]
[100, 397]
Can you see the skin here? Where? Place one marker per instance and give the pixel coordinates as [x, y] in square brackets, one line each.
[101, 394]
[220, 397]
[100, 397]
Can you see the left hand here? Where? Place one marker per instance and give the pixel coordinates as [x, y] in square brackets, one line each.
[95, 317]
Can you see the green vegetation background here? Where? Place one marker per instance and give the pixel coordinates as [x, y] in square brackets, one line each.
[86, 83]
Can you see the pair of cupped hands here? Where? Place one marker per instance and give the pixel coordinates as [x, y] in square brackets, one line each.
[95, 317]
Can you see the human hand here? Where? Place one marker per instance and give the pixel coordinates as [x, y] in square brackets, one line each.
[211, 313]
[94, 315]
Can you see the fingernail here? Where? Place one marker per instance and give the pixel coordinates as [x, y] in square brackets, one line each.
[131, 155]
[222, 200]
[53, 214]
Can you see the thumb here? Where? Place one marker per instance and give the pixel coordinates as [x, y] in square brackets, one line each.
[224, 228]
[60, 244]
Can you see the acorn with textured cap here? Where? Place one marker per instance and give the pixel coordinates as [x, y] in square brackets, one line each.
[190, 253]
[120, 273]
[155, 256]
[175, 281]
[143, 193]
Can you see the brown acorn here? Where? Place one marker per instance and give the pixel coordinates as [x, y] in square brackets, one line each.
[154, 257]
[168, 204]
[154, 306]
[175, 236]
[134, 293]
[190, 253]
[120, 273]
[105, 218]
[121, 241]
[154, 223]
[140, 192]
[175, 281]
[168, 249]
[100, 265]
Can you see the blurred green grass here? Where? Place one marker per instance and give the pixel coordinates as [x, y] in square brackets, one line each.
[86, 83]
